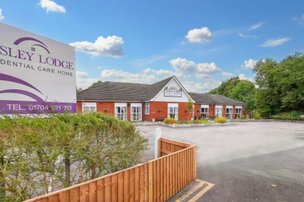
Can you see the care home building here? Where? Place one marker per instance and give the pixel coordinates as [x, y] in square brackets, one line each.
[155, 102]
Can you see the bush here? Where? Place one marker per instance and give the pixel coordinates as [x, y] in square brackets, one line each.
[201, 121]
[220, 120]
[294, 116]
[257, 115]
[170, 121]
[62, 150]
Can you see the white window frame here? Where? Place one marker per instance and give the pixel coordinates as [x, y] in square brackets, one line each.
[218, 107]
[147, 108]
[175, 106]
[203, 111]
[137, 115]
[121, 116]
[229, 115]
[89, 107]
[238, 111]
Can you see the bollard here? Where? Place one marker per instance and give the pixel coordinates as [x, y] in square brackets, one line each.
[157, 137]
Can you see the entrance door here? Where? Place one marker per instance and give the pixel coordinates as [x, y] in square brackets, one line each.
[173, 111]
[229, 110]
[136, 112]
[121, 111]
[218, 110]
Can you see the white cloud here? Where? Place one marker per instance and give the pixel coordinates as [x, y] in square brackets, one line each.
[250, 64]
[246, 36]
[1, 15]
[199, 35]
[207, 68]
[109, 46]
[184, 65]
[202, 86]
[147, 76]
[256, 26]
[246, 78]
[150, 76]
[83, 80]
[299, 19]
[51, 6]
[227, 74]
[275, 42]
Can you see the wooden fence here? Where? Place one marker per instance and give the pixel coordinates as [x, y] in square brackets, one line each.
[154, 181]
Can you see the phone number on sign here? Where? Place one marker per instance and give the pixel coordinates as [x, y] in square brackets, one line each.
[39, 107]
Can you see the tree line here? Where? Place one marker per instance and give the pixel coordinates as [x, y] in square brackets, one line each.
[278, 87]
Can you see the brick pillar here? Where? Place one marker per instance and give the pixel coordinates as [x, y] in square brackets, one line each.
[129, 111]
[224, 111]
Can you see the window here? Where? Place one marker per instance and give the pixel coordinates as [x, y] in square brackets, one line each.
[89, 107]
[147, 108]
[218, 110]
[121, 111]
[238, 112]
[229, 110]
[173, 111]
[204, 111]
[136, 112]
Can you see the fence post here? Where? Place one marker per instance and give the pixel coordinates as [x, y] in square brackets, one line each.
[156, 142]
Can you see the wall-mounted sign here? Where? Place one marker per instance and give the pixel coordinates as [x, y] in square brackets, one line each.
[172, 92]
[37, 74]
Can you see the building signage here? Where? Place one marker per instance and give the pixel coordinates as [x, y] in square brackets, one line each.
[172, 92]
[37, 74]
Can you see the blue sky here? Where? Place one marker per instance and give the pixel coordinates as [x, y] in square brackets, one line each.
[201, 42]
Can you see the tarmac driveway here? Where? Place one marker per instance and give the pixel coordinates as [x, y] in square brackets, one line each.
[247, 161]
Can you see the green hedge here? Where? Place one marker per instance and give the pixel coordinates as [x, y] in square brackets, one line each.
[294, 115]
[62, 150]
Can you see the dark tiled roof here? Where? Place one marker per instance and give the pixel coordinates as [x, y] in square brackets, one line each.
[214, 99]
[117, 91]
[156, 87]
[202, 98]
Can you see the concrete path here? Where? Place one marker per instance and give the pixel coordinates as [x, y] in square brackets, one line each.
[254, 161]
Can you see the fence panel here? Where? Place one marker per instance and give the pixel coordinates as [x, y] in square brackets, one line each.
[154, 181]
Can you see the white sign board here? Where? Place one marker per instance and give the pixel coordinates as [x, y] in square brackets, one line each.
[37, 74]
[172, 92]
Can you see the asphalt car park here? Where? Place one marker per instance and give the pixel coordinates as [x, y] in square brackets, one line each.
[247, 161]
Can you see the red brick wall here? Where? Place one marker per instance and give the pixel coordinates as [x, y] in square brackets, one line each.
[79, 107]
[197, 111]
[211, 110]
[106, 107]
[224, 110]
[157, 110]
[183, 113]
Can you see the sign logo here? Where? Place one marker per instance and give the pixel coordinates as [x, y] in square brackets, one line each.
[172, 92]
[38, 43]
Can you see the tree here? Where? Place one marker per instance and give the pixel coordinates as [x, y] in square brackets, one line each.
[238, 89]
[280, 85]
[267, 97]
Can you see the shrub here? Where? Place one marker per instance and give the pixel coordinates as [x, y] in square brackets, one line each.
[62, 150]
[294, 115]
[170, 121]
[201, 121]
[220, 120]
[257, 115]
